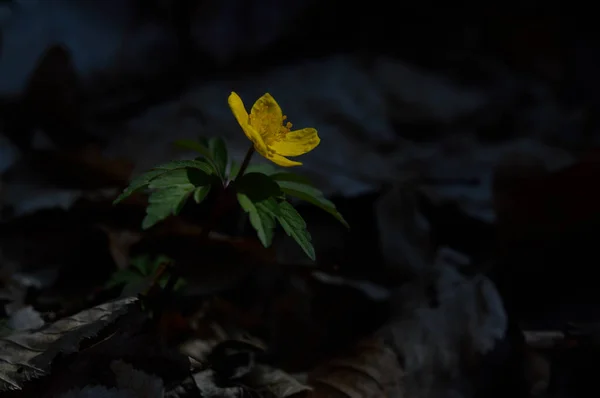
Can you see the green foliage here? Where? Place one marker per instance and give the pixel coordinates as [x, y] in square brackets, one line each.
[294, 225]
[262, 196]
[261, 191]
[140, 270]
[201, 193]
[213, 150]
[218, 150]
[172, 184]
[262, 216]
[144, 179]
[257, 186]
[299, 187]
[264, 168]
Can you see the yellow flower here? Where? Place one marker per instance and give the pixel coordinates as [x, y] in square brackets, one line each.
[272, 139]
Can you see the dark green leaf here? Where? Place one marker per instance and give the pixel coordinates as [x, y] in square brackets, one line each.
[261, 217]
[181, 164]
[172, 179]
[202, 148]
[144, 179]
[291, 177]
[269, 206]
[183, 178]
[140, 268]
[203, 141]
[257, 186]
[200, 193]
[195, 146]
[122, 277]
[138, 183]
[295, 226]
[234, 169]
[218, 150]
[198, 178]
[178, 285]
[164, 202]
[265, 168]
[141, 264]
[311, 195]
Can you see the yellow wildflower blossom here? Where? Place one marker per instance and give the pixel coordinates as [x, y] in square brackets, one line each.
[265, 128]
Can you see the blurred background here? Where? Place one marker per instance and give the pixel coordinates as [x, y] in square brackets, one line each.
[464, 138]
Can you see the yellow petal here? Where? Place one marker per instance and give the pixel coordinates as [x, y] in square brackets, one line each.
[266, 116]
[237, 107]
[281, 161]
[239, 111]
[297, 142]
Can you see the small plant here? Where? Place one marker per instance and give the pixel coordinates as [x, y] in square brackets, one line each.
[260, 190]
[140, 270]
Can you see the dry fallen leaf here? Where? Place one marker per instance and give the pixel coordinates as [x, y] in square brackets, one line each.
[277, 383]
[371, 370]
[229, 366]
[25, 356]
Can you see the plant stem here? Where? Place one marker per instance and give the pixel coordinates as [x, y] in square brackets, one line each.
[219, 208]
[245, 163]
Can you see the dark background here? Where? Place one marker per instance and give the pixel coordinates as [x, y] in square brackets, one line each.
[510, 179]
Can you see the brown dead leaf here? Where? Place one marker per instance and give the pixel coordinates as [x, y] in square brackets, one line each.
[25, 356]
[232, 370]
[370, 370]
[278, 384]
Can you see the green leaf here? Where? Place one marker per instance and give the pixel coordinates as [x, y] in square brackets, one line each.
[142, 181]
[178, 285]
[291, 177]
[142, 264]
[195, 146]
[307, 193]
[218, 150]
[181, 164]
[203, 141]
[295, 226]
[140, 269]
[234, 169]
[146, 265]
[257, 186]
[172, 179]
[183, 178]
[262, 217]
[122, 277]
[164, 202]
[138, 183]
[172, 184]
[202, 147]
[264, 168]
[201, 193]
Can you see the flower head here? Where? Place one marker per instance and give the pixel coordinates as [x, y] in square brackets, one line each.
[265, 127]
